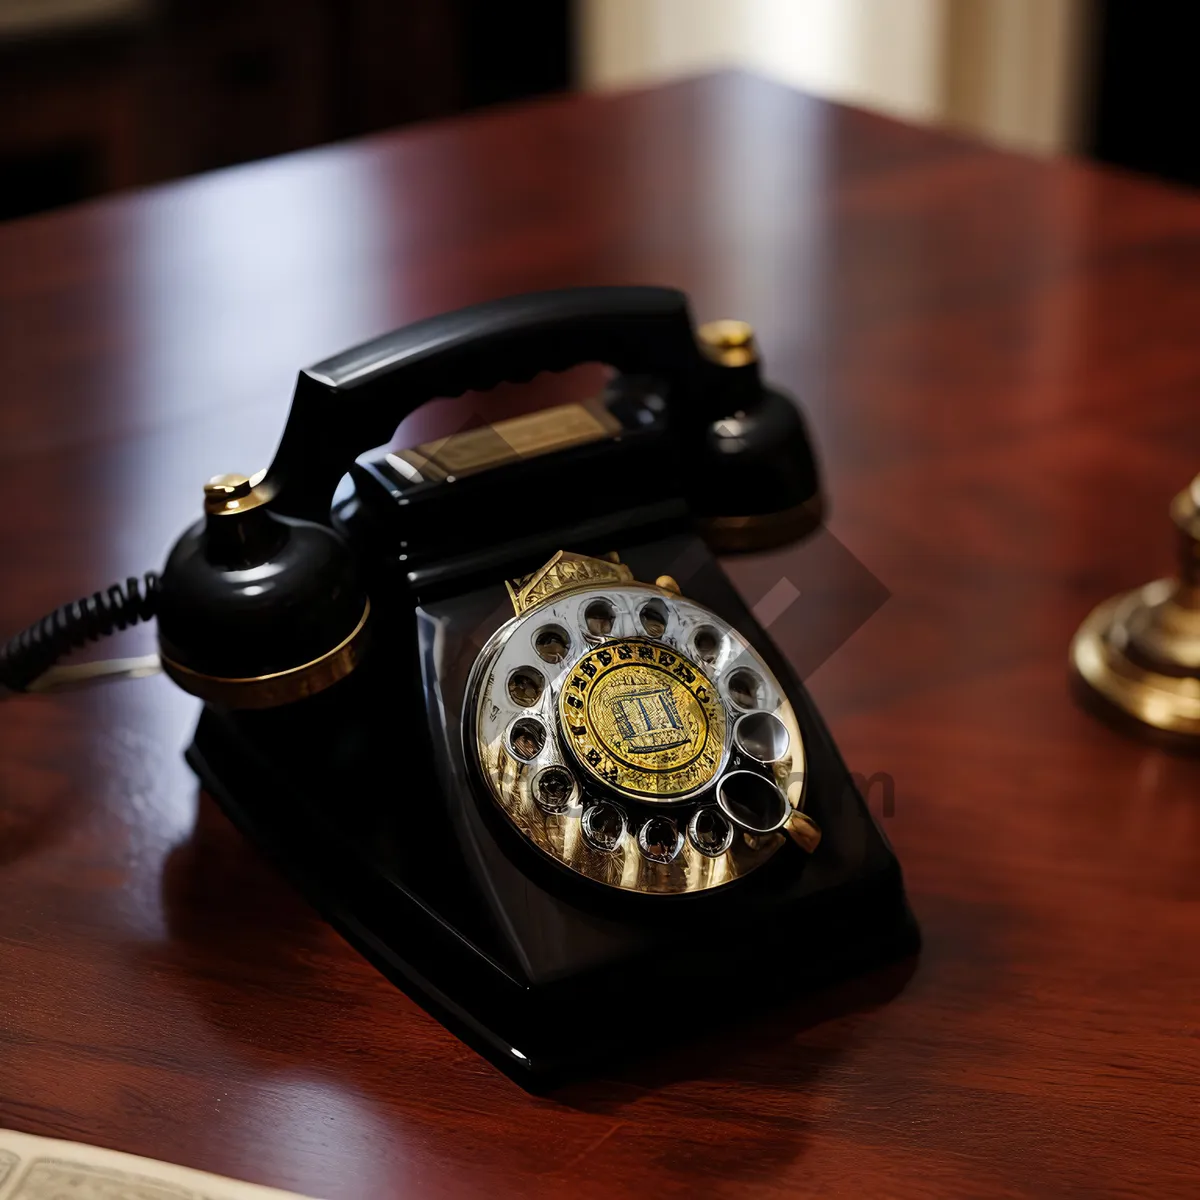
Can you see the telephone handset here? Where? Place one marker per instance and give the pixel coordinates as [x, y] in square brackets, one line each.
[522, 817]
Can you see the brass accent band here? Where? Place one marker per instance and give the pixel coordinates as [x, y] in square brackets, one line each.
[762, 531]
[280, 687]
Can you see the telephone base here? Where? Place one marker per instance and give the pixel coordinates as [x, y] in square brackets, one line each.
[548, 983]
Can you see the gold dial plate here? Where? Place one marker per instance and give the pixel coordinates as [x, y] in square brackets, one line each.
[643, 719]
[640, 813]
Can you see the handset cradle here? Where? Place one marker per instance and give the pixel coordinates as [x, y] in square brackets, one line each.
[218, 626]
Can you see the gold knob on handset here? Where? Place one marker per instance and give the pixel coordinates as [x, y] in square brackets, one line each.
[1137, 656]
[729, 343]
[233, 493]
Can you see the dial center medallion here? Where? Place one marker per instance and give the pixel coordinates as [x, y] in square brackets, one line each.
[643, 719]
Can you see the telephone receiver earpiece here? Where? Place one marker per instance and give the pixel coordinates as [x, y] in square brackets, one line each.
[261, 602]
[257, 609]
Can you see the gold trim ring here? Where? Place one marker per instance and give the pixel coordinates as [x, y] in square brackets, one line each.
[280, 687]
[762, 531]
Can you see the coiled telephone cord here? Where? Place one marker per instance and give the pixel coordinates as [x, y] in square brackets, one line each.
[36, 649]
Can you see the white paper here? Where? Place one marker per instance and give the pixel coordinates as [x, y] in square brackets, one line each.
[34, 1168]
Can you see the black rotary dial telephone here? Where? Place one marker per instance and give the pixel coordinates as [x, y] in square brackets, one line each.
[492, 703]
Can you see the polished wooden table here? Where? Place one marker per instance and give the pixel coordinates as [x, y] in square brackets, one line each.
[1001, 361]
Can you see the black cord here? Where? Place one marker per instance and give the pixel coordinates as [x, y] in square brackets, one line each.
[36, 649]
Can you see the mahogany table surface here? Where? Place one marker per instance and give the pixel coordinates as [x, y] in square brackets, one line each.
[1000, 359]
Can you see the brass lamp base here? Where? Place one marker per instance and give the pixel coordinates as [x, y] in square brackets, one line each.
[1100, 659]
[1138, 654]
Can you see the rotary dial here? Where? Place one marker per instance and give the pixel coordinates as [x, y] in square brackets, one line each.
[635, 737]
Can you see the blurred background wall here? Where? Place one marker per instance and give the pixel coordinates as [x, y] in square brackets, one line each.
[99, 95]
[1010, 70]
